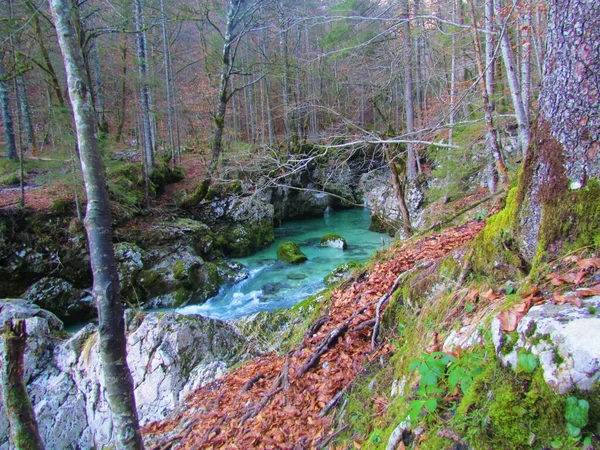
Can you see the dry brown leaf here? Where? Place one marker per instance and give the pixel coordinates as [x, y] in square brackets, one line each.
[491, 295]
[556, 279]
[510, 318]
[572, 298]
[589, 263]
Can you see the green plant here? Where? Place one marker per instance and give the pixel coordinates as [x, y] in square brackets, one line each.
[576, 415]
[441, 373]
[527, 362]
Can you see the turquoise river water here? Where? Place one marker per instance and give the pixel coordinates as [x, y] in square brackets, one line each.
[272, 284]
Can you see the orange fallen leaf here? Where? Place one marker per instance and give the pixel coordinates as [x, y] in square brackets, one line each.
[572, 298]
[589, 263]
[510, 318]
[491, 295]
[556, 279]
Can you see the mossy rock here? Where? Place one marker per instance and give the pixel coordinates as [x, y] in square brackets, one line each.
[334, 241]
[341, 272]
[289, 252]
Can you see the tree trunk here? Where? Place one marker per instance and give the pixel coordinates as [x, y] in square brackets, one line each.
[565, 154]
[511, 75]
[142, 60]
[7, 119]
[496, 154]
[24, 431]
[168, 88]
[285, 95]
[26, 115]
[111, 327]
[123, 99]
[408, 95]
[526, 60]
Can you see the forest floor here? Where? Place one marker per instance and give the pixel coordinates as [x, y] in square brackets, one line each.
[282, 401]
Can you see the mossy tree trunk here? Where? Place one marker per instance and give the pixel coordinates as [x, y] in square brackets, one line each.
[111, 328]
[561, 171]
[21, 418]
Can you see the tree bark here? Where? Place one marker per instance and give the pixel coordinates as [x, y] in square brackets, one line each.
[7, 119]
[496, 154]
[24, 431]
[26, 115]
[408, 95]
[565, 147]
[123, 100]
[111, 327]
[511, 75]
[142, 61]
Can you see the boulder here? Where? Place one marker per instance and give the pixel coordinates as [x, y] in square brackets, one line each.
[62, 299]
[289, 252]
[565, 340]
[169, 355]
[334, 241]
[342, 272]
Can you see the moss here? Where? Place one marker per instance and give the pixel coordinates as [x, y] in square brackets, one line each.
[290, 252]
[495, 252]
[328, 239]
[62, 207]
[9, 179]
[505, 410]
[509, 342]
[197, 196]
[180, 270]
[243, 240]
[570, 221]
[152, 283]
[341, 272]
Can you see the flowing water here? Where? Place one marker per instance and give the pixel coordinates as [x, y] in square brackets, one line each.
[272, 284]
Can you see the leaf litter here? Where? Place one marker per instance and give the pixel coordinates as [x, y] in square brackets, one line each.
[280, 401]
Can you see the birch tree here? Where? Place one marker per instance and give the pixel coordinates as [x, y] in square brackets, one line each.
[111, 327]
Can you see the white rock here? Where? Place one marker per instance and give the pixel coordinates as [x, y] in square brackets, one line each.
[566, 340]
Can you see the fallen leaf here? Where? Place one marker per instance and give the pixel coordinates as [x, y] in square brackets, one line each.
[556, 279]
[589, 263]
[491, 295]
[510, 318]
[572, 298]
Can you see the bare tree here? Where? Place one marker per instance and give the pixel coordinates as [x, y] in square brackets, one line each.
[111, 328]
[7, 119]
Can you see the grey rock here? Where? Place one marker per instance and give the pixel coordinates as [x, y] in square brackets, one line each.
[61, 298]
[169, 355]
[565, 339]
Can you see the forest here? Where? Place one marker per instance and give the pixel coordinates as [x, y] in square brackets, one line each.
[316, 224]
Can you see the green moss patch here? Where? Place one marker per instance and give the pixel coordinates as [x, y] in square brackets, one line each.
[289, 252]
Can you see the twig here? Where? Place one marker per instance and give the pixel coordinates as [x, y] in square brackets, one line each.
[388, 294]
[326, 442]
[315, 327]
[251, 382]
[333, 401]
[449, 433]
[328, 341]
[360, 326]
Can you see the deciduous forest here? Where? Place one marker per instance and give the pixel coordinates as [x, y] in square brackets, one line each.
[300, 224]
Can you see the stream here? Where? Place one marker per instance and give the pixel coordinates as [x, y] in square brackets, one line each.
[272, 284]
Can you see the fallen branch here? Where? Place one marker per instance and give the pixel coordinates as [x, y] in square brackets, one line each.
[326, 442]
[315, 327]
[333, 401]
[328, 341]
[248, 385]
[388, 294]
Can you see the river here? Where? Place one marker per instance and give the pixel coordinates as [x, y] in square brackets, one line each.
[272, 284]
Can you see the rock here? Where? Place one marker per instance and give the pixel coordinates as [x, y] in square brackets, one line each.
[130, 262]
[296, 276]
[61, 298]
[334, 241]
[380, 198]
[290, 252]
[565, 339]
[169, 355]
[341, 272]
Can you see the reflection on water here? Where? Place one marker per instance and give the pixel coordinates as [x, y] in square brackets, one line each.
[272, 284]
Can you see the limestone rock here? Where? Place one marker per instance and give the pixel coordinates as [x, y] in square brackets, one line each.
[290, 252]
[334, 241]
[565, 339]
[341, 272]
[61, 298]
[170, 355]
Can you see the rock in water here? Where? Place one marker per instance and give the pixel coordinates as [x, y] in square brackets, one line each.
[169, 355]
[334, 241]
[290, 252]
